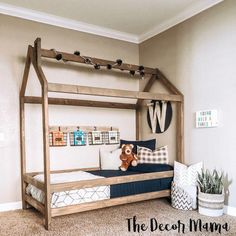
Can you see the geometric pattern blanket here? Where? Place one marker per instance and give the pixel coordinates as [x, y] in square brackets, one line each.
[71, 197]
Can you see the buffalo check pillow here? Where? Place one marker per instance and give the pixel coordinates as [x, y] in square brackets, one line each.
[159, 156]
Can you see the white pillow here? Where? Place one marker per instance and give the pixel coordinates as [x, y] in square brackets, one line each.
[110, 160]
[184, 175]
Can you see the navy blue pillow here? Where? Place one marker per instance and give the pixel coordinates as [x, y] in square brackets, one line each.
[151, 144]
[147, 168]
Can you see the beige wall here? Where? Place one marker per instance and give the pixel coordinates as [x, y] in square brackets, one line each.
[199, 56]
[15, 35]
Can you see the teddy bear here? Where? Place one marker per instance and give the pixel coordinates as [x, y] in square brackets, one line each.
[127, 157]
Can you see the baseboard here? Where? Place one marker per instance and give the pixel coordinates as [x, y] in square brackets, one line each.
[228, 210]
[10, 206]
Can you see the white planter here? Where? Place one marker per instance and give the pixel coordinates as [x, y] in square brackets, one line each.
[210, 204]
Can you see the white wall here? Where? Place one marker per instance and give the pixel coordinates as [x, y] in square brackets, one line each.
[199, 56]
[15, 35]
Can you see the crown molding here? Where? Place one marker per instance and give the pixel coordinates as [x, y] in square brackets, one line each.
[188, 13]
[49, 19]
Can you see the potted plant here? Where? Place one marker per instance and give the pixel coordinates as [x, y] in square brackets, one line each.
[210, 193]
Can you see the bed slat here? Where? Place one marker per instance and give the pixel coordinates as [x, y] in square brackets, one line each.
[34, 203]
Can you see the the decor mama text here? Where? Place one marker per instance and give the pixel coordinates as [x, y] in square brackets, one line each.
[191, 226]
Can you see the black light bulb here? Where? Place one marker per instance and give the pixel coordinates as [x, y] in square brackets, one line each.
[132, 72]
[119, 62]
[109, 66]
[97, 66]
[77, 53]
[140, 68]
[59, 57]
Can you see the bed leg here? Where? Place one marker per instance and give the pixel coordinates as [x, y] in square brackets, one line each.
[24, 203]
[47, 223]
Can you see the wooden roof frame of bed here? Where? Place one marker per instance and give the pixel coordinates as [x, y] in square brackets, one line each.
[34, 57]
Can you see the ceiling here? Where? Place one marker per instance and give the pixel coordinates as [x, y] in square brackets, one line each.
[129, 20]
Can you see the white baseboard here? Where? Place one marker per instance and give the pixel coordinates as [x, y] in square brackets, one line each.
[228, 210]
[10, 206]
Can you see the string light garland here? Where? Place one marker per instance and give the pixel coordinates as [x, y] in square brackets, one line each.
[97, 66]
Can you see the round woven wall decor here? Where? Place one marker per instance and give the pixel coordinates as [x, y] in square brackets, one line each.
[167, 119]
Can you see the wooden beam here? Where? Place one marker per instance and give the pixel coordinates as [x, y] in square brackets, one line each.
[36, 61]
[47, 185]
[34, 203]
[78, 102]
[30, 180]
[22, 123]
[22, 151]
[138, 108]
[180, 132]
[108, 203]
[167, 83]
[45, 120]
[26, 71]
[73, 58]
[147, 88]
[109, 181]
[138, 123]
[95, 91]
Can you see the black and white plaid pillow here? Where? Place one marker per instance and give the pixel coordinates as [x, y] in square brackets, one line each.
[159, 156]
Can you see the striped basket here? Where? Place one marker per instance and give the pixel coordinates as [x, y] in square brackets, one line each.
[180, 199]
[210, 204]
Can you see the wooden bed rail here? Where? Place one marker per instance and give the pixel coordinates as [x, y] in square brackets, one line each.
[110, 181]
[109, 202]
[28, 178]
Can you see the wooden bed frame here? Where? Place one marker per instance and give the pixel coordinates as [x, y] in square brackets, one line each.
[34, 57]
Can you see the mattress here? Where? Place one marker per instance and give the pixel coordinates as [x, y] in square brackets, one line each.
[145, 186]
[72, 197]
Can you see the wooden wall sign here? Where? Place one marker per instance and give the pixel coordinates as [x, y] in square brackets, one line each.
[159, 115]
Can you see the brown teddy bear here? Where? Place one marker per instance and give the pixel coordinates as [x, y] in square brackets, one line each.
[127, 157]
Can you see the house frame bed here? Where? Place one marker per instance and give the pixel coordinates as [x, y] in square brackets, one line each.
[34, 56]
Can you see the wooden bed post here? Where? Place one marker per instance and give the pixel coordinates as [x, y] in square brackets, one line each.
[22, 124]
[44, 84]
[138, 121]
[147, 88]
[179, 116]
[180, 132]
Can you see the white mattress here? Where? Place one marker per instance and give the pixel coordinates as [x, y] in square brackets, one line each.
[72, 197]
